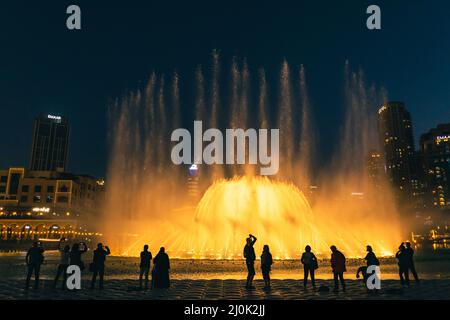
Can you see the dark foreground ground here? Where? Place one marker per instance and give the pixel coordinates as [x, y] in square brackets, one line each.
[227, 289]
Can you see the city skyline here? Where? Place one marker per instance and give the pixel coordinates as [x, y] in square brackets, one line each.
[395, 57]
[219, 150]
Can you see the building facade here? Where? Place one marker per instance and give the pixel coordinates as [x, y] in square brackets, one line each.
[50, 144]
[375, 168]
[396, 138]
[435, 151]
[47, 195]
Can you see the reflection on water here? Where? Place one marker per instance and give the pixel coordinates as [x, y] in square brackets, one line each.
[430, 266]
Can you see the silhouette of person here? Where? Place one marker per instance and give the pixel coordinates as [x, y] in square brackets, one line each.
[310, 264]
[338, 267]
[403, 265]
[410, 254]
[250, 257]
[362, 270]
[371, 258]
[144, 266]
[75, 254]
[98, 265]
[34, 259]
[63, 263]
[160, 273]
[266, 264]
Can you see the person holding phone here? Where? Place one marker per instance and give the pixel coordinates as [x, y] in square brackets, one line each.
[98, 264]
[250, 257]
[75, 254]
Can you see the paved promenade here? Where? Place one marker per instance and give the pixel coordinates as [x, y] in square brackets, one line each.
[227, 289]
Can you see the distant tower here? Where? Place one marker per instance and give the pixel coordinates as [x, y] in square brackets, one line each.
[375, 170]
[192, 184]
[435, 149]
[396, 138]
[50, 143]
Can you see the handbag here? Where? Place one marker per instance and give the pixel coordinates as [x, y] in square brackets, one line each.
[315, 263]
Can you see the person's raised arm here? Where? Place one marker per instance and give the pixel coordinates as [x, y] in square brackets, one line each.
[253, 239]
[107, 250]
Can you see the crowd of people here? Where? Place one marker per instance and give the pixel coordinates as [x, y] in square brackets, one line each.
[161, 265]
[405, 257]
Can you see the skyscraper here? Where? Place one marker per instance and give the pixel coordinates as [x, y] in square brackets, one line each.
[374, 165]
[50, 143]
[396, 139]
[435, 149]
[192, 185]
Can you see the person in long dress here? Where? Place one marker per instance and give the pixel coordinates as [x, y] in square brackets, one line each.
[161, 267]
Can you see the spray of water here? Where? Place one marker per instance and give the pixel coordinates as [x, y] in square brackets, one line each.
[209, 212]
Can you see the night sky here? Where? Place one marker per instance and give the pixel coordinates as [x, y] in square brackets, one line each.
[46, 68]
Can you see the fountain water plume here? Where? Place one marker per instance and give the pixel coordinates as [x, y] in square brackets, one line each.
[262, 102]
[307, 141]
[285, 121]
[209, 212]
[199, 94]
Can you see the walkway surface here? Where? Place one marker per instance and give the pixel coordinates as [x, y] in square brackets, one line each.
[226, 289]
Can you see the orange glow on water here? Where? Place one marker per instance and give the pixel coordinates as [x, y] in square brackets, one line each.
[276, 212]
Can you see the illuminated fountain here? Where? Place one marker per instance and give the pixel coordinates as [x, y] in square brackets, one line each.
[209, 213]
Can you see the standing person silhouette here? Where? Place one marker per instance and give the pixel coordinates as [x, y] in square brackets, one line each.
[266, 264]
[34, 259]
[63, 263]
[250, 257]
[98, 265]
[75, 254]
[161, 267]
[371, 258]
[146, 258]
[410, 254]
[338, 267]
[310, 264]
[403, 265]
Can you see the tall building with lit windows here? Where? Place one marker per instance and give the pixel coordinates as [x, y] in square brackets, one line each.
[435, 149]
[50, 143]
[396, 138]
[375, 170]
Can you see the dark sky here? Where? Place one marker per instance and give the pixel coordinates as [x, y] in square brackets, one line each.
[46, 68]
